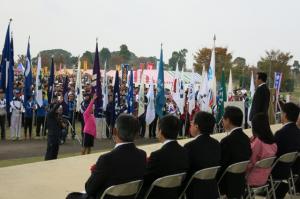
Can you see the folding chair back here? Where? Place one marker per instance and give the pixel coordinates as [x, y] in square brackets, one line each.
[126, 189]
[203, 174]
[171, 181]
[265, 163]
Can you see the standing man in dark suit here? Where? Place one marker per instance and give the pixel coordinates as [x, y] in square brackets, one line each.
[235, 148]
[123, 164]
[261, 98]
[204, 151]
[287, 140]
[170, 159]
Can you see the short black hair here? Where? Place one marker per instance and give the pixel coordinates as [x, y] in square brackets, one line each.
[234, 114]
[205, 121]
[261, 128]
[262, 76]
[127, 126]
[291, 110]
[169, 126]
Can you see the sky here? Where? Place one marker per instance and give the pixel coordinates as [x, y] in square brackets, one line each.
[247, 27]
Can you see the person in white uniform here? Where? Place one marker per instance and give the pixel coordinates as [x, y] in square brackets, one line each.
[16, 109]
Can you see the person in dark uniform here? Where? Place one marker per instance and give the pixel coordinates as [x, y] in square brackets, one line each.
[30, 106]
[261, 98]
[41, 114]
[55, 123]
[109, 116]
[71, 108]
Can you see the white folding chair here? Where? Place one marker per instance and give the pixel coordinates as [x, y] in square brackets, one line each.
[125, 189]
[289, 159]
[261, 164]
[236, 168]
[171, 181]
[203, 174]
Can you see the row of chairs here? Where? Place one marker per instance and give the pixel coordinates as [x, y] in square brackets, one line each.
[173, 181]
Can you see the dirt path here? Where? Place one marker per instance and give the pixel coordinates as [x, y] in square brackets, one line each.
[34, 148]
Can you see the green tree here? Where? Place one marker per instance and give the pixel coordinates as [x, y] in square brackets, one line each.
[276, 61]
[223, 59]
[125, 53]
[105, 55]
[88, 57]
[178, 57]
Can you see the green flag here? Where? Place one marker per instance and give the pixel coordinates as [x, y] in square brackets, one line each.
[222, 97]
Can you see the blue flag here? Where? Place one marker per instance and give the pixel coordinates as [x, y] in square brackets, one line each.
[10, 77]
[116, 99]
[97, 84]
[51, 81]
[5, 60]
[130, 107]
[65, 95]
[28, 75]
[160, 97]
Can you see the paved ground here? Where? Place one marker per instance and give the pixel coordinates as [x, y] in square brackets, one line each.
[37, 147]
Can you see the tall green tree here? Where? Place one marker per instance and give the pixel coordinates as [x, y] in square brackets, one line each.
[125, 53]
[105, 55]
[223, 59]
[276, 61]
[178, 57]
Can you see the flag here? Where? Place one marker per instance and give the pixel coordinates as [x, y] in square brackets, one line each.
[181, 96]
[28, 74]
[51, 81]
[116, 98]
[191, 94]
[221, 97]
[212, 78]
[65, 94]
[38, 83]
[160, 97]
[277, 85]
[5, 61]
[203, 98]
[150, 113]
[78, 87]
[141, 108]
[10, 76]
[176, 84]
[230, 89]
[104, 89]
[252, 91]
[124, 72]
[97, 84]
[130, 105]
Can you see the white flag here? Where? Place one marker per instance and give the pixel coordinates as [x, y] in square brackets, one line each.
[252, 91]
[150, 114]
[38, 83]
[191, 94]
[104, 89]
[181, 97]
[230, 89]
[78, 87]
[212, 84]
[141, 108]
[204, 102]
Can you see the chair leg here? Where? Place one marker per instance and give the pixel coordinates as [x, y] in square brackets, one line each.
[272, 187]
[293, 183]
[268, 194]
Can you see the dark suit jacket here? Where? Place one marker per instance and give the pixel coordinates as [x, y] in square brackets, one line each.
[235, 148]
[123, 164]
[287, 140]
[260, 102]
[170, 159]
[203, 152]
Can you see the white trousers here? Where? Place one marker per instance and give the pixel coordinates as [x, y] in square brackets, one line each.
[15, 125]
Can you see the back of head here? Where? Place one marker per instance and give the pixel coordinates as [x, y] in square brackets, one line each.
[127, 127]
[261, 128]
[291, 111]
[169, 126]
[234, 114]
[205, 121]
[262, 76]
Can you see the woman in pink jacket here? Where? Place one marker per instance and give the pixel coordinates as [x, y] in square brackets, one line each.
[263, 146]
[89, 130]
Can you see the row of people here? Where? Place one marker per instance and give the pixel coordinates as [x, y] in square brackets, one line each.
[127, 163]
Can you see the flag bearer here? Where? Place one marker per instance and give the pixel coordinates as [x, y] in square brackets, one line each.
[2, 114]
[16, 109]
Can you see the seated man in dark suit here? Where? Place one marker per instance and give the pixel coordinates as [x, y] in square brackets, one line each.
[123, 164]
[287, 140]
[204, 151]
[235, 148]
[170, 159]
